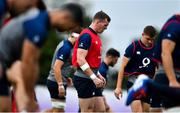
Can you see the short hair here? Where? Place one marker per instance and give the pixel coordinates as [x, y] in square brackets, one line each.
[41, 5]
[113, 52]
[101, 16]
[150, 31]
[77, 30]
[76, 11]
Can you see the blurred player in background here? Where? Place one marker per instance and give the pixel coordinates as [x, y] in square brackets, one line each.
[16, 5]
[138, 59]
[167, 54]
[110, 59]
[87, 59]
[30, 31]
[59, 75]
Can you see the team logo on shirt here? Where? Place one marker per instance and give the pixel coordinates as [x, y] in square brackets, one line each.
[61, 57]
[81, 45]
[36, 39]
[146, 61]
[169, 35]
[96, 42]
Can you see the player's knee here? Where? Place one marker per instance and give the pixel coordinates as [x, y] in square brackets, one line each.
[136, 106]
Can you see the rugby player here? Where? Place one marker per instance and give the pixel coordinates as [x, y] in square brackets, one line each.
[87, 59]
[138, 59]
[167, 54]
[110, 59]
[59, 74]
[28, 34]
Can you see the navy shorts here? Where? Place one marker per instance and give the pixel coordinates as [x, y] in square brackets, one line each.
[98, 92]
[159, 100]
[84, 86]
[4, 84]
[53, 90]
[146, 100]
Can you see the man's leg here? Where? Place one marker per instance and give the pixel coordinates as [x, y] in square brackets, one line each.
[87, 104]
[14, 75]
[108, 108]
[86, 90]
[136, 106]
[5, 100]
[169, 95]
[58, 103]
[145, 106]
[162, 90]
[99, 105]
[169, 92]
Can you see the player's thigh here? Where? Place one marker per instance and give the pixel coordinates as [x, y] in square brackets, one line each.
[108, 109]
[99, 104]
[136, 106]
[85, 87]
[145, 107]
[53, 90]
[5, 104]
[86, 104]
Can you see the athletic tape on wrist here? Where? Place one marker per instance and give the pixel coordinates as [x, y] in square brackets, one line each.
[58, 105]
[93, 76]
[85, 66]
[98, 73]
[61, 86]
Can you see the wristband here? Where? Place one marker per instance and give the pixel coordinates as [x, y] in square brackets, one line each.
[85, 66]
[98, 73]
[61, 86]
[93, 76]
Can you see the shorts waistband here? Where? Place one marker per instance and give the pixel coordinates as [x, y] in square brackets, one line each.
[80, 73]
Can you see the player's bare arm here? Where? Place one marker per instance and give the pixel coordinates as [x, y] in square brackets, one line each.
[118, 90]
[167, 49]
[58, 76]
[30, 68]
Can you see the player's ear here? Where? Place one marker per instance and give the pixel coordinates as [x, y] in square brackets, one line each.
[142, 34]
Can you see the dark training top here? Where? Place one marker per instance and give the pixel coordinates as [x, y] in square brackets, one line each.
[32, 25]
[170, 31]
[140, 59]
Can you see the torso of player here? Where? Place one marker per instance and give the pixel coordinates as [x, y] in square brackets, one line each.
[141, 61]
[67, 68]
[171, 31]
[13, 34]
[94, 53]
[103, 69]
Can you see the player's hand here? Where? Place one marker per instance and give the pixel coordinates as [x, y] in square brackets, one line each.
[118, 93]
[61, 90]
[69, 81]
[174, 84]
[103, 79]
[98, 82]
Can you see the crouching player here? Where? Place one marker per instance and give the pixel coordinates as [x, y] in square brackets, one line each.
[57, 80]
